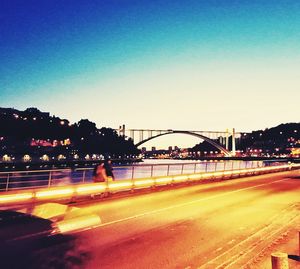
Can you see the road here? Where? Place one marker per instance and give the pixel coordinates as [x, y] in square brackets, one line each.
[224, 224]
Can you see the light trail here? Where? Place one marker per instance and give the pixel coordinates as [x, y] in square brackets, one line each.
[185, 204]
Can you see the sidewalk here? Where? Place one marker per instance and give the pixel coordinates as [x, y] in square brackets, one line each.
[287, 243]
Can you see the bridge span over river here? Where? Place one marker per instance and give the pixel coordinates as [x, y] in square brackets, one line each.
[219, 139]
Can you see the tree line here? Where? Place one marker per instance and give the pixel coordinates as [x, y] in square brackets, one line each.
[20, 128]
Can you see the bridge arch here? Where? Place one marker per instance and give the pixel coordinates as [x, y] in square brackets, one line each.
[210, 141]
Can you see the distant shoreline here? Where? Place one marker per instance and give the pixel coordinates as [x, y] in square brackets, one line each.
[15, 166]
[23, 166]
[279, 159]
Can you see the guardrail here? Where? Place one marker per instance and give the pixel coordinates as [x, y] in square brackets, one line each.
[17, 180]
[76, 191]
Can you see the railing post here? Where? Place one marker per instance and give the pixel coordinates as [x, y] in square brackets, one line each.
[151, 170]
[279, 260]
[83, 176]
[49, 180]
[132, 185]
[106, 192]
[7, 182]
[195, 168]
[240, 165]
[251, 167]
[181, 169]
[224, 166]
[206, 167]
[168, 170]
[132, 174]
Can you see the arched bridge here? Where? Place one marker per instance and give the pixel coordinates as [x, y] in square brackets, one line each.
[218, 146]
[219, 139]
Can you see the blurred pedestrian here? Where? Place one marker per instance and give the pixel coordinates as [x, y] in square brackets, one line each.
[99, 173]
[109, 169]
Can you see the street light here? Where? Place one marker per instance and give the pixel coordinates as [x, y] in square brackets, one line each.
[26, 158]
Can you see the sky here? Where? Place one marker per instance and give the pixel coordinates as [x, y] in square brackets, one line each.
[182, 65]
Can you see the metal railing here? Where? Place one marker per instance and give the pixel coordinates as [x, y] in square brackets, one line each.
[79, 191]
[17, 180]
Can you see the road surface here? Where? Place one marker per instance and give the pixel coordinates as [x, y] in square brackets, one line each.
[233, 223]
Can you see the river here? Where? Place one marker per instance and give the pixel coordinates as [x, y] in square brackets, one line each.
[147, 168]
[164, 167]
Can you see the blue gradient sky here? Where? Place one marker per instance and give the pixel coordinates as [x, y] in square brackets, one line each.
[197, 65]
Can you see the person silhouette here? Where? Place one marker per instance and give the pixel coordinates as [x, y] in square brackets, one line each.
[109, 169]
[99, 173]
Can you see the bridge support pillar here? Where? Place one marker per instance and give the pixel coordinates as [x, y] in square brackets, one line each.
[122, 130]
[226, 140]
[233, 142]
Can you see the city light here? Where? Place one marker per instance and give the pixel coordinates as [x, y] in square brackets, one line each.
[26, 158]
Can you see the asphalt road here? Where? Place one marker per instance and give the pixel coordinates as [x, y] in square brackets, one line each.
[224, 224]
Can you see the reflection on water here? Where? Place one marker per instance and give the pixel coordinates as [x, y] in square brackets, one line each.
[154, 167]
